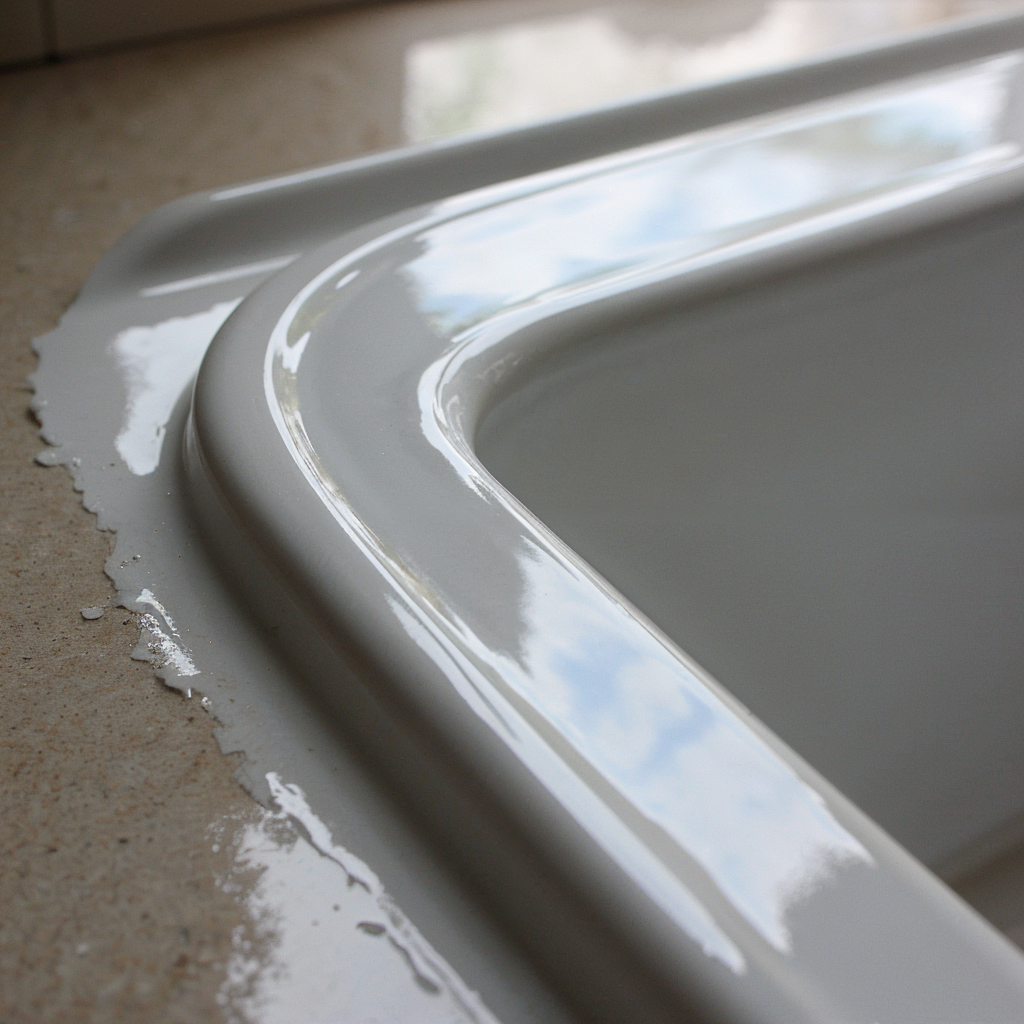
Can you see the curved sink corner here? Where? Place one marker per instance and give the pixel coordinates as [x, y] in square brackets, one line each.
[660, 849]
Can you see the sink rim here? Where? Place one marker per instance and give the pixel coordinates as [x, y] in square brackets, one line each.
[248, 477]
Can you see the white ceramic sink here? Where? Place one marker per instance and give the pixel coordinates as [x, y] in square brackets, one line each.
[812, 484]
[650, 521]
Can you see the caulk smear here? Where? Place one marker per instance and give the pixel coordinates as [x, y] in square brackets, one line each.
[429, 970]
[158, 362]
[162, 646]
[219, 276]
[324, 944]
[149, 598]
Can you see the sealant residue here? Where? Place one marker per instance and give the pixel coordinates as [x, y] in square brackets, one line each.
[164, 647]
[326, 945]
[158, 362]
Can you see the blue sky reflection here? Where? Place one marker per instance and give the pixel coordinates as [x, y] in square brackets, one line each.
[659, 735]
[697, 195]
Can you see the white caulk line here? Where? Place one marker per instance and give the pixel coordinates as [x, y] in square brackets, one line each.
[219, 276]
[428, 967]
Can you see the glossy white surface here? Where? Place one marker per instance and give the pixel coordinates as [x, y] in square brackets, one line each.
[430, 576]
[619, 697]
[653, 848]
[341, 950]
[158, 363]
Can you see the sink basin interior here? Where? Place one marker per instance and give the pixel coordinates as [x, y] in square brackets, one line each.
[814, 485]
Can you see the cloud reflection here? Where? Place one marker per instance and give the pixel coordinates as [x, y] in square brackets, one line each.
[661, 737]
[691, 199]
